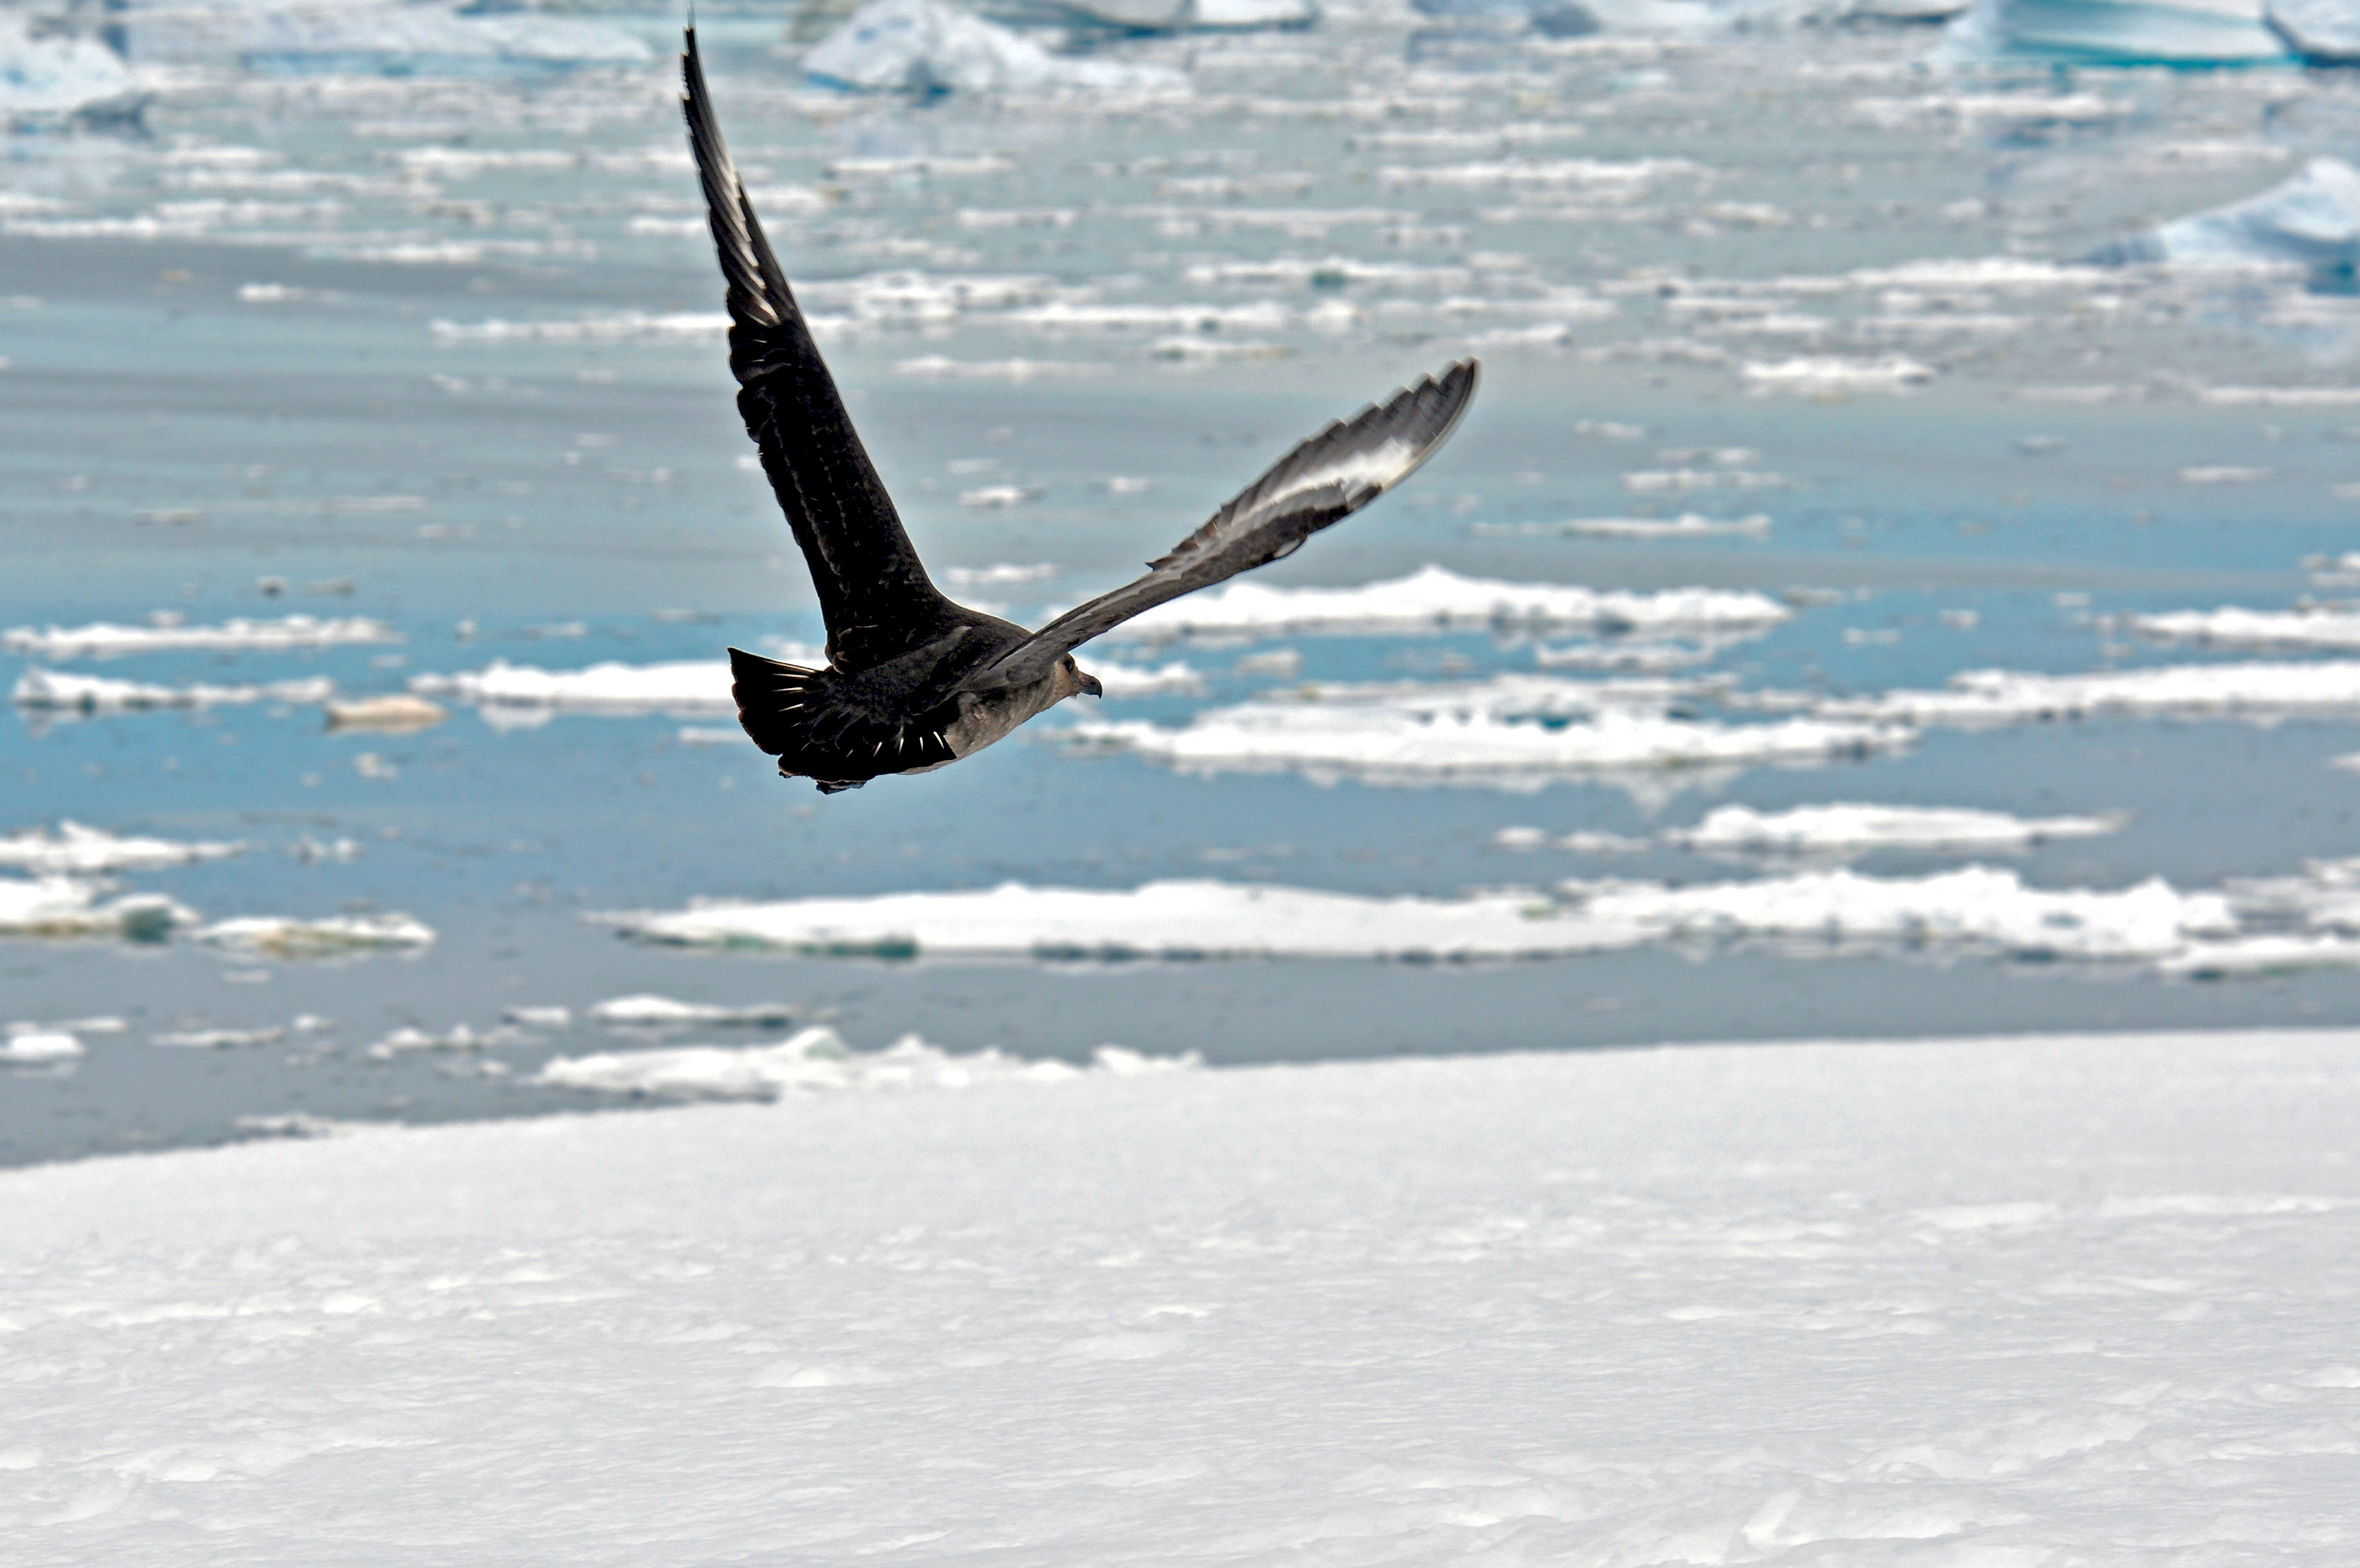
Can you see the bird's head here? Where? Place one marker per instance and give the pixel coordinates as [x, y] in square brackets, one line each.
[1072, 680]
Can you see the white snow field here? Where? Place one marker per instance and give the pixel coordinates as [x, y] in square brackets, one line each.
[2039, 1300]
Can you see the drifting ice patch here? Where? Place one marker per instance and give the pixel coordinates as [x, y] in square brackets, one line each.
[1688, 525]
[48, 79]
[2313, 220]
[106, 640]
[2117, 32]
[273, 936]
[61, 907]
[1827, 375]
[2005, 696]
[1859, 828]
[817, 1061]
[2318, 32]
[660, 1012]
[1435, 599]
[54, 692]
[2232, 627]
[76, 850]
[386, 40]
[925, 48]
[39, 1048]
[682, 686]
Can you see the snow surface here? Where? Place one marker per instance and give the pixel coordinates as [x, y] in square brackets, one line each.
[277, 936]
[106, 639]
[76, 850]
[2038, 1301]
[1852, 827]
[53, 690]
[2312, 220]
[1433, 598]
[926, 47]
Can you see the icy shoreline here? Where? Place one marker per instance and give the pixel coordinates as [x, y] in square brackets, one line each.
[1772, 1303]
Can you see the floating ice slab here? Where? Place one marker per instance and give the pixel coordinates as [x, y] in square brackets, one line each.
[2007, 696]
[399, 712]
[1190, 15]
[815, 1060]
[272, 936]
[106, 640]
[1807, 829]
[76, 850]
[39, 1048]
[1688, 525]
[1172, 678]
[49, 78]
[2230, 627]
[1434, 598]
[927, 47]
[683, 686]
[1826, 374]
[2312, 220]
[365, 36]
[56, 692]
[2118, 32]
[62, 906]
[660, 1012]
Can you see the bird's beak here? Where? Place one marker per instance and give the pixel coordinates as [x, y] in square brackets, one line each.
[1090, 684]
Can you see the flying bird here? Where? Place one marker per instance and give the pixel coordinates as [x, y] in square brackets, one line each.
[915, 680]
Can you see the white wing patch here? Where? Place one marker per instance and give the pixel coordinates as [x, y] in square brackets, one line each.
[1380, 466]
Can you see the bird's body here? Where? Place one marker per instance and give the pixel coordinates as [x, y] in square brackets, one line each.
[915, 680]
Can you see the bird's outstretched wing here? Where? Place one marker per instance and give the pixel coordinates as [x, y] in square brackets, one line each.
[873, 591]
[1321, 481]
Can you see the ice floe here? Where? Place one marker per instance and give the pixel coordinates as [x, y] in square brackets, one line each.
[927, 47]
[274, 936]
[105, 639]
[1815, 376]
[56, 692]
[1688, 525]
[817, 1061]
[39, 1048]
[2313, 221]
[1854, 828]
[699, 685]
[1189, 16]
[372, 37]
[48, 76]
[2005, 696]
[399, 712]
[1434, 598]
[64, 906]
[2117, 32]
[76, 850]
[2230, 627]
[667, 1012]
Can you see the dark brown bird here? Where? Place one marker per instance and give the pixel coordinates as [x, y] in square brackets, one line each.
[915, 680]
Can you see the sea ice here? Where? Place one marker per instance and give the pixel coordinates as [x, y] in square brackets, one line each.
[368, 36]
[39, 1048]
[1190, 15]
[1978, 697]
[658, 1012]
[2313, 220]
[926, 47]
[1769, 1303]
[105, 639]
[48, 77]
[1823, 375]
[2231, 627]
[1849, 828]
[682, 686]
[1688, 525]
[56, 692]
[814, 1060]
[1172, 678]
[1434, 598]
[2319, 32]
[76, 850]
[2117, 32]
[398, 712]
[62, 906]
[273, 936]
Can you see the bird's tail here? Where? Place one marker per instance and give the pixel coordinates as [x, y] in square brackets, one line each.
[790, 712]
[775, 704]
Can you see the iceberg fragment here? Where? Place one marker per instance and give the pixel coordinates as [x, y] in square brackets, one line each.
[927, 47]
[2117, 32]
[54, 692]
[2312, 220]
[77, 850]
[105, 640]
[60, 905]
[372, 38]
[50, 77]
[1434, 598]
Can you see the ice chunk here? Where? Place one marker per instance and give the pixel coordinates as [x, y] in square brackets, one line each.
[1190, 15]
[369, 37]
[398, 712]
[2318, 32]
[54, 692]
[1688, 525]
[52, 76]
[2117, 32]
[1172, 678]
[2312, 220]
[927, 47]
[60, 905]
[1849, 828]
[105, 640]
[2233, 627]
[682, 686]
[38, 1048]
[658, 1012]
[274, 936]
[817, 1059]
[1434, 598]
[1820, 376]
[77, 850]
[2006, 696]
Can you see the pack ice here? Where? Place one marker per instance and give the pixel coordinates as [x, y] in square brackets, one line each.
[371, 37]
[2312, 220]
[2117, 32]
[927, 47]
[48, 76]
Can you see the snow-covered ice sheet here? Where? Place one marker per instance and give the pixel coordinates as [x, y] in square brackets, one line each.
[106, 639]
[1854, 828]
[1434, 597]
[76, 850]
[2034, 1301]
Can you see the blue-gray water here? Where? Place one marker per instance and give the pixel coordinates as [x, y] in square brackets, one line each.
[171, 436]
